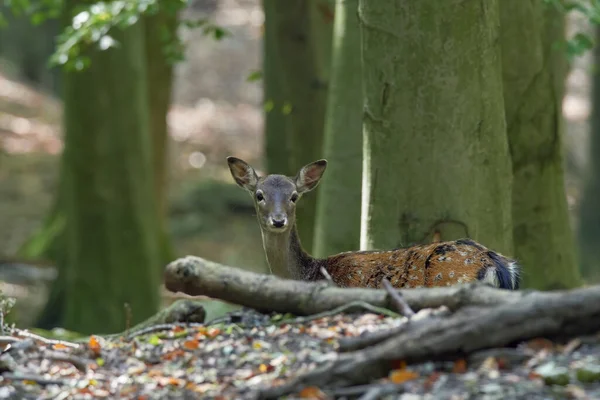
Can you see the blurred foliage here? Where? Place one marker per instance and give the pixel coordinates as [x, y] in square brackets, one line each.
[6, 305]
[579, 43]
[202, 207]
[92, 23]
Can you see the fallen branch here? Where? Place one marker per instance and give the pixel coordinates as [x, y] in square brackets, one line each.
[479, 317]
[556, 315]
[198, 277]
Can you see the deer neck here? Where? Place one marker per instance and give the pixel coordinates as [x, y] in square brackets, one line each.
[284, 252]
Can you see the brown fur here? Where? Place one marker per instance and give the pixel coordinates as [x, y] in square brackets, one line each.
[435, 264]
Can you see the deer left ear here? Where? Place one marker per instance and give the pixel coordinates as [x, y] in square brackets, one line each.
[309, 176]
[243, 174]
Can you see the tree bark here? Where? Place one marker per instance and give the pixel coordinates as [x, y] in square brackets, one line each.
[435, 148]
[301, 47]
[277, 129]
[589, 213]
[111, 224]
[337, 224]
[533, 74]
[159, 81]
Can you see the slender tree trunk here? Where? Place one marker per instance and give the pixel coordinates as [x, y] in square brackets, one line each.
[160, 80]
[589, 212]
[111, 223]
[534, 73]
[337, 224]
[301, 51]
[435, 147]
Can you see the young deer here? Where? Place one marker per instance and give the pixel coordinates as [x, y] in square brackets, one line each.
[435, 264]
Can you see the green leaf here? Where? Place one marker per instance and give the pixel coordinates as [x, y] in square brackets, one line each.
[154, 340]
[254, 76]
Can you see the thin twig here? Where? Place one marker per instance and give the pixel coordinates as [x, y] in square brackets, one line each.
[327, 276]
[4, 340]
[77, 362]
[354, 306]
[27, 334]
[397, 299]
[160, 328]
[35, 378]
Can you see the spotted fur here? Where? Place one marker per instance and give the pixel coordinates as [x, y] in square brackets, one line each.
[435, 264]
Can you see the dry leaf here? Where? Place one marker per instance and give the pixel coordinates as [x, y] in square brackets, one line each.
[59, 346]
[212, 332]
[540, 344]
[402, 375]
[191, 344]
[312, 392]
[94, 345]
[460, 366]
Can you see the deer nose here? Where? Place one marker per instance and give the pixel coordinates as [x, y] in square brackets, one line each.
[278, 221]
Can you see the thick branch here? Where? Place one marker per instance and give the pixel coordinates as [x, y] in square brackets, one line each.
[552, 315]
[196, 276]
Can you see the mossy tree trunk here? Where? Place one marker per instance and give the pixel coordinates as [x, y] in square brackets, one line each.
[337, 224]
[111, 220]
[589, 212]
[534, 73]
[302, 30]
[435, 147]
[160, 83]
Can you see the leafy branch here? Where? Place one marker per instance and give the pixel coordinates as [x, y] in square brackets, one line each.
[91, 26]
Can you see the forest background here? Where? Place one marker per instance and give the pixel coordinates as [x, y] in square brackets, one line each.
[243, 85]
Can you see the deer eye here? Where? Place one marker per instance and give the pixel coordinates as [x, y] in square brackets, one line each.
[259, 196]
[294, 197]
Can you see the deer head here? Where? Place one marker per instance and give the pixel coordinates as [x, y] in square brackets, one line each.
[275, 196]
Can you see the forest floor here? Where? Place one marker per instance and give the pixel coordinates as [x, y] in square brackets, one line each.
[246, 353]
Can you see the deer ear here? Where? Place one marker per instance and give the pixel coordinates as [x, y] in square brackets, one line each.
[243, 174]
[309, 176]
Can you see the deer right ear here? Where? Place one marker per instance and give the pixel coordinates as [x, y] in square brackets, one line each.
[243, 174]
[309, 176]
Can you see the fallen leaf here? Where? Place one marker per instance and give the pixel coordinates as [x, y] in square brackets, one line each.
[94, 345]
[191, 344]
[460, 366]
[173, 354]
[312, 392]
[212, 332]
[402, 375]
[59, 346]
[540, 344]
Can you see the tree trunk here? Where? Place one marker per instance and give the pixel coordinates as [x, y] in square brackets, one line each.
[589, 213]
[277, 143]
[534, 72]
[337, 224]
[160, 79]
[435, 148]
[301, 51]
[109, 204]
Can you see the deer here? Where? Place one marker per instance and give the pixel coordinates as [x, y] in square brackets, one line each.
[442, 263]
